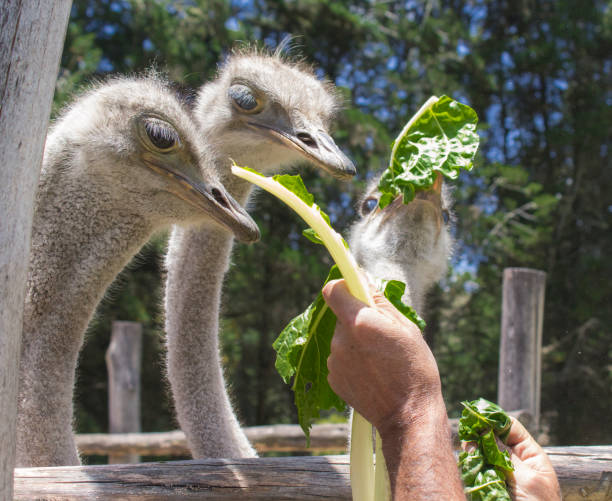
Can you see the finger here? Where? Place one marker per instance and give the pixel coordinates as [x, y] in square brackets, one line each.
[517, 434]
[468, 446]
[341, 301]
[380, 300]
[523, 445]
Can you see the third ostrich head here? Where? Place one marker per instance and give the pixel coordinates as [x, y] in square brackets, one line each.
[408, 242]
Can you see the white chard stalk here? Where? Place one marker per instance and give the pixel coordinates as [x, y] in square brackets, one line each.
[367, 482]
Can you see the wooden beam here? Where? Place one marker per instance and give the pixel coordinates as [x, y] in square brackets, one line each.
[31, 39]
[277, 438]
[585, 473]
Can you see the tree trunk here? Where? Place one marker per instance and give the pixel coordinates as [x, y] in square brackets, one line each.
[31, 40]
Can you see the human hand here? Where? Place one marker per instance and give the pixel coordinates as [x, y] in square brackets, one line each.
[379, 362]
[534, 478]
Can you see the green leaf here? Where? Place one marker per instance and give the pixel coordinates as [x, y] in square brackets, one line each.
[302, 350]
[479, 416]
[442, 137]
[483, 470]
[393, 291]
[304, 345]
[489, 485]
[470, 464]
[252, 170]
[492, 453]
[311, 235]
[296, 186]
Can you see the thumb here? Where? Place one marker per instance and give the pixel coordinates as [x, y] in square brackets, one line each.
[341, 301]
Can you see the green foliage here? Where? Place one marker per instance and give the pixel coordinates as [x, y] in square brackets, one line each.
[302, 349]
[393, 291]
[480, 416]
[304, 345]
[441, 137]
[483, 469]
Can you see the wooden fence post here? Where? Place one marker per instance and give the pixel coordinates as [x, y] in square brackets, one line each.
[520, 351]
[31, 38]
[123, 360]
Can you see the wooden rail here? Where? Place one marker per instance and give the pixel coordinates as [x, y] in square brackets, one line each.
[277, 438]
[585, 473]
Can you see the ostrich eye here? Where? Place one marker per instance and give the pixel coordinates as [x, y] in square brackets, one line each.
[243, 97]
[368, 205]
[445, 216]
[161, 135]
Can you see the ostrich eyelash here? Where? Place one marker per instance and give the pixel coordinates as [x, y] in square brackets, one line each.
[161, 135]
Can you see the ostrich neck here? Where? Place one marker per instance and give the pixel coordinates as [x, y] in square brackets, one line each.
[79, 245]
[197, 260]
[80, 241]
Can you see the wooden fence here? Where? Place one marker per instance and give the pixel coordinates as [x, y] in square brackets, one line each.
[330, 438]
[585, 473]
[519, 385]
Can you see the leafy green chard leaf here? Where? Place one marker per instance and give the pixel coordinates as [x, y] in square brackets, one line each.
[470, 464]
[393, 291]
[489, 485]
[304, 345]
[479, 416]
[311, 235]
[483, 470]
[302, 350]
[296, 186]
[441, 137]
[253, 171]
[493, 454]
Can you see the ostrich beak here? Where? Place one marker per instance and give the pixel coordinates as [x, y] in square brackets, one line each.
[315, 145]
[437, 186]
[434, 194]
[214, 200]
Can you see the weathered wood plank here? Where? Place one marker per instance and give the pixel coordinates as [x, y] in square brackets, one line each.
[520, 348]
[585, 473]
[278, 438]
[31, 39]
[123, 361]
[271, 479]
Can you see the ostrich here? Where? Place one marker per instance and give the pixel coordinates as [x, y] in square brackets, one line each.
[266, 113]
[408, 242]
[123, 161]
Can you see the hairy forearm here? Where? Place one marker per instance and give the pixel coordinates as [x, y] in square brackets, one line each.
[419, 456]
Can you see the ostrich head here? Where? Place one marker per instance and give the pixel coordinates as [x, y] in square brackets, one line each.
[268, 113]
[408, 242]
[133, 145]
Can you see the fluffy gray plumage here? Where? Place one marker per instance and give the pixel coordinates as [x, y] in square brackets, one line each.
[266, 113]
[123, 161]
[408, 242]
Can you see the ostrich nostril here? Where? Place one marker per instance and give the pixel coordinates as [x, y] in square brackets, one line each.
[307, 139]
[218, 196]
